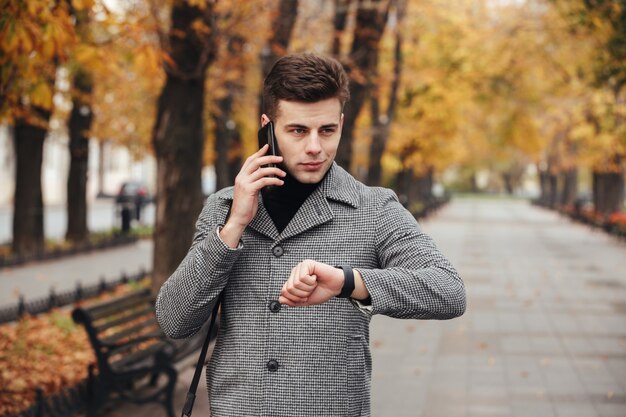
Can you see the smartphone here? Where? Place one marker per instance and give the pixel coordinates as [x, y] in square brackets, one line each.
[266, 136]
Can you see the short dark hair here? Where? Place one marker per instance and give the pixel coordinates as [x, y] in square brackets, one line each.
[304, 77]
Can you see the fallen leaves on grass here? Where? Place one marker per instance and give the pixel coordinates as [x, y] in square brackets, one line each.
[47, 351]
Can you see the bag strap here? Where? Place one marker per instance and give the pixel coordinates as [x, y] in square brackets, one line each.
[191, 394]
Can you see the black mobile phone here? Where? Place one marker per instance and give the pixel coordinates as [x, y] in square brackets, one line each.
[266, 136]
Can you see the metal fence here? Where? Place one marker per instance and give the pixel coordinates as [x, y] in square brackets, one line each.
[45, 304]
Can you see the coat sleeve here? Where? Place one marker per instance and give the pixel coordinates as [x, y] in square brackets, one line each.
[185, 300]
[414, 280]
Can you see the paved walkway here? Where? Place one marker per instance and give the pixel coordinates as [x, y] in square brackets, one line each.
[544, 334]
[545, 330]
[35, 279]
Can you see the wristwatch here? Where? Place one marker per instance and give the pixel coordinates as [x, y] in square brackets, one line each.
[348, 283]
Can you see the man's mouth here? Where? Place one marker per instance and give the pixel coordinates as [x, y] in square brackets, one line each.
[312, 165]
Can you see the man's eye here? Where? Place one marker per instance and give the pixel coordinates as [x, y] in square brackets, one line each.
[298, 131]
[328, 132]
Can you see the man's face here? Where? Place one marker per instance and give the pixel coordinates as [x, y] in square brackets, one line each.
[308, 136]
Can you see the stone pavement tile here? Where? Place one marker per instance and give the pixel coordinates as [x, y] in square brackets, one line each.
[486, 378]
[537, 323]
[594, 371]
[442, 401]
[491, 394]
[609, 346]
[605, 390]
[455, 364]
[565, 387]
[511, 322]
[578, 345]
[527, 391]
[547, 345]
[513, 345]
[484, 322]
[575, 409]
[564, 323]
[532, 409]
[445, 410]
[600, 324]
[617, 368]
[487, 410]
[611, 410]
[486, 361]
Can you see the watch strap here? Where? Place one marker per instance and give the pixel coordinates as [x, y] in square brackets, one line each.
[348, 284]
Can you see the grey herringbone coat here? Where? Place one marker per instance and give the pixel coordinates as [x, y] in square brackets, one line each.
[273, 360]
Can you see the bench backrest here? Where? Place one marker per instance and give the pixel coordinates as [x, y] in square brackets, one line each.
[123, 330]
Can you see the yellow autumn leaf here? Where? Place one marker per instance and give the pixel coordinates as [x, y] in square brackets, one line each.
[42, 95]
[85, 54]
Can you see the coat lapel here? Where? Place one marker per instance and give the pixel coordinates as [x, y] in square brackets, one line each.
[263, 223]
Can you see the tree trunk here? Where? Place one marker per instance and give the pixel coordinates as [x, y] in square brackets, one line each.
[549, 191]
[28, 210]
[339, 24]
[381, 127]
[79, 125]
[228, 145]
[178, 138]
[569, 187]
[507, 177]
[370, 25]
[283, 23]
[424, 187]
[101, 170]
[608, 192]
[403, 179]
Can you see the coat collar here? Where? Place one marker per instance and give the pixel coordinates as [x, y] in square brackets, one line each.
[337, 185]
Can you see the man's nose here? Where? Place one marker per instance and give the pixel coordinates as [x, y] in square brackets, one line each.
[313, 145]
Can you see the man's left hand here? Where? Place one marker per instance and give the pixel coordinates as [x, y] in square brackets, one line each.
[311, 283]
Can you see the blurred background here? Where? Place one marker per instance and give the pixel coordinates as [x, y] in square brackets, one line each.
[118, 117]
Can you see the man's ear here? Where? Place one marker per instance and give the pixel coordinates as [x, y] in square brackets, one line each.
[264, 120]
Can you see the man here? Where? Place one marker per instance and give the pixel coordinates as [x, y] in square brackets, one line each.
[305, 255]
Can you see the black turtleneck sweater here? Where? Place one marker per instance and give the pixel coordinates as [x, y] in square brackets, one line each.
[282, 202]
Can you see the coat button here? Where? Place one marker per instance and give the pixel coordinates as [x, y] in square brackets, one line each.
[278, 251]
[272, 365]
[275, 306]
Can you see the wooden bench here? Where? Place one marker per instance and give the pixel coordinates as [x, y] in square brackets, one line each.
[132, 352]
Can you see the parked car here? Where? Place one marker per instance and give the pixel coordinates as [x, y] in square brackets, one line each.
[132, 192]
[131, 199]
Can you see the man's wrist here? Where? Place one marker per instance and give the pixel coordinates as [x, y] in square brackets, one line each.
[231, 234]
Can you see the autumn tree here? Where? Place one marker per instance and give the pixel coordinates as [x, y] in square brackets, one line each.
[601, 120]
[178, 134]
[79, 125]
[233, 104]
[371, 19]
[283, 21]
[381, 122]
[35, 38]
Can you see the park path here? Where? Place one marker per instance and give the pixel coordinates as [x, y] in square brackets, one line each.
[545, 329]
[544, 334]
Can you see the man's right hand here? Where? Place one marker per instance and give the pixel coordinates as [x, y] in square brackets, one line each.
[248, 183]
